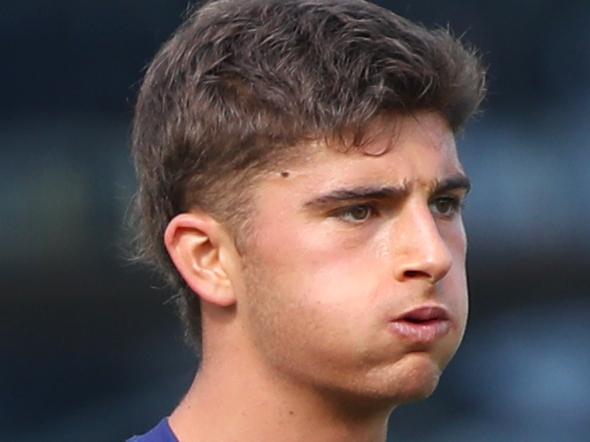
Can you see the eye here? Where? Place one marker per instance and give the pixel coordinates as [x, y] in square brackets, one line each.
[356, 214]
[446, 206]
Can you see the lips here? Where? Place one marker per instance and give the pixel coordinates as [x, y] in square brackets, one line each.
[425, 314]
[422, 325]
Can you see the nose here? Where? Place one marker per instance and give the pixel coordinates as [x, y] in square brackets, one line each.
[420, 249]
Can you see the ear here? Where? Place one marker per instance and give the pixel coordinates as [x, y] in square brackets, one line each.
[202, 251]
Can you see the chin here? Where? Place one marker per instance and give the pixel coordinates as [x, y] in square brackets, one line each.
[415, 378]
[420, 378]
[412, 379]
[419, 390]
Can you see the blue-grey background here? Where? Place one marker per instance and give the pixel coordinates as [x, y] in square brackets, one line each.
[89, 348]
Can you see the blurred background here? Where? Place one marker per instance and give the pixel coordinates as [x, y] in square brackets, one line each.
[91, 349]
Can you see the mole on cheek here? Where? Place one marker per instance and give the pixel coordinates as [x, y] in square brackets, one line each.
[285, 174]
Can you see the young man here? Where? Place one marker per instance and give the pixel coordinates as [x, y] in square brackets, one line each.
[300, 187]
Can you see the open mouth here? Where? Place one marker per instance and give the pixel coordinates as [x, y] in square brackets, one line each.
[425, 315]
[420, 321]
[423, 325]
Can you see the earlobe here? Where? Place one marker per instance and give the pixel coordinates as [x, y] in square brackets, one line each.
[195, 242]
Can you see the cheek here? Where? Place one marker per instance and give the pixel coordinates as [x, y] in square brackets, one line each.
[310, 252]
[302, 316]
[314, 278]
[454, 285]
[455, 293]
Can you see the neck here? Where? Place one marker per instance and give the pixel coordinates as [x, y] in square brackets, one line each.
[233, 399]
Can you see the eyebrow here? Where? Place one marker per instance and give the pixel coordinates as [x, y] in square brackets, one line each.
[453, 183]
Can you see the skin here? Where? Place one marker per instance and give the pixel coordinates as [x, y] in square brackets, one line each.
[297, 336]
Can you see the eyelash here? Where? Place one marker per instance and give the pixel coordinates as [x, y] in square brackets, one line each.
[345, 214]
[456, 205]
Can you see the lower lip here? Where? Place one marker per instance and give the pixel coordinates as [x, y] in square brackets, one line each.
[424, 332]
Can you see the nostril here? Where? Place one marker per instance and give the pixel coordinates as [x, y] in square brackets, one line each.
[414, 274]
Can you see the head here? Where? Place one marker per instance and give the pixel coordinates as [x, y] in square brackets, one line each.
[254, 106]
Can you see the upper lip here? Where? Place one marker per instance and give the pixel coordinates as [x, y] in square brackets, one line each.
[425, 313]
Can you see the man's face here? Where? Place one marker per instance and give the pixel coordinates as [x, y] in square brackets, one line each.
[346, 247]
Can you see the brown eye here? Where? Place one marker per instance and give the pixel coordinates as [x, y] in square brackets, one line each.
[446, 206]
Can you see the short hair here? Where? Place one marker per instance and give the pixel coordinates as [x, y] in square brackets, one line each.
[242, 81]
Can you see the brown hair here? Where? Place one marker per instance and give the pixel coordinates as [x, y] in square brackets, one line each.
[242, 80]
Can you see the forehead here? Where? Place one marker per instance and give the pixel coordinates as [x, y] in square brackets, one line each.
[418, 147]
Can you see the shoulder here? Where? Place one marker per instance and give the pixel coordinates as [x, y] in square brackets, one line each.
[160, 433]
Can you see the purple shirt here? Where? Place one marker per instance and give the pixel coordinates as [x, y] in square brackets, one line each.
[160, 433]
